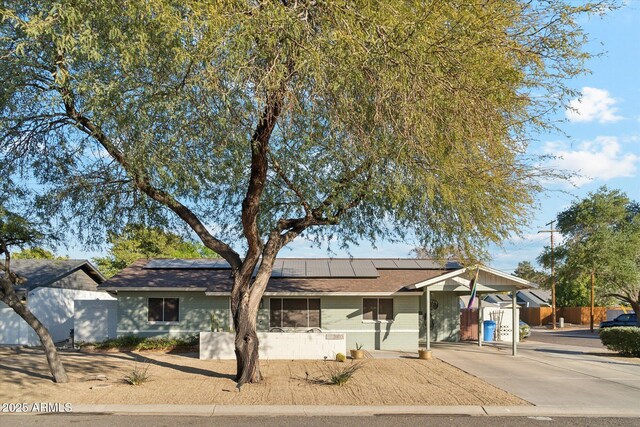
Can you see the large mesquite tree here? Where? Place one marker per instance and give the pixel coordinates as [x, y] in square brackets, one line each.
[253, 122]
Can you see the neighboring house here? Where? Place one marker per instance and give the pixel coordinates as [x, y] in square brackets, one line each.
[526, 298]
[49, 288]
[379, 303]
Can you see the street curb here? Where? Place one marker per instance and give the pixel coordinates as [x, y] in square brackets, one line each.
[343, 410]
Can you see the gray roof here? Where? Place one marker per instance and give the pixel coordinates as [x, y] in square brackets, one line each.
[539, 296]
[38, 273]
[535, 296]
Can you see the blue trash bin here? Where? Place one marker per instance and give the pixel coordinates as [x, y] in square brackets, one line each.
[489, 327]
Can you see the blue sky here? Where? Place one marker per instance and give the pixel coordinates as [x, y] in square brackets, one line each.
[602, 142]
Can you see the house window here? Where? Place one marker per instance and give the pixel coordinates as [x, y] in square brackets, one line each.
[163, 310]
[294, 313]
[377, 309]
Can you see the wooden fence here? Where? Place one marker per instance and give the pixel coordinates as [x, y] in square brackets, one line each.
[540, 316]
[468, 324]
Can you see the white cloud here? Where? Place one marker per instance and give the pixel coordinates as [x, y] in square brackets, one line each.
[601, 159]
[593, 105]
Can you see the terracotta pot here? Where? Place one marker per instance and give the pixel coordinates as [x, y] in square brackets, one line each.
[357, 354]
[424, 354]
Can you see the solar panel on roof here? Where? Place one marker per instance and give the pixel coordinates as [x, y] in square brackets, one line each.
[384, 263]
[364, 268]
[168, 263]
[428, 263]
[209, 263]
[187, 264]
[341, 268]
[277, 268]
[407, 264]
[317, 268]
[294, 268]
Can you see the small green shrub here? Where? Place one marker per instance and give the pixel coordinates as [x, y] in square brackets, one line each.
[341, 374]
[341, 357]
[138, 375]
[525, 330]
[624, 340]
[139, 343]
[359, 346]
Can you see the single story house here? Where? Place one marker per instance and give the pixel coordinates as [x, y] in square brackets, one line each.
[49, 288]
[380, 303]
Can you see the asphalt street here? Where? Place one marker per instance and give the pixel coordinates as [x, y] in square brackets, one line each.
[364, 421]
[582, 337]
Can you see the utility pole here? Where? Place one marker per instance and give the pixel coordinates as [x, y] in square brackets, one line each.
[553, 274]
[593, 297]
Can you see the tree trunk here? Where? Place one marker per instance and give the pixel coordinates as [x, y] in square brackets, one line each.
[246, 343]
[53, 359]
[636, 308]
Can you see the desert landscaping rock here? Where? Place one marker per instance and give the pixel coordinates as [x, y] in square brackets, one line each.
[185, 379]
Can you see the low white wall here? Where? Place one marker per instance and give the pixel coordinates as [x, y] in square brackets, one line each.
[54, 307]
[13, 330]
[95, 320]
[276, 345]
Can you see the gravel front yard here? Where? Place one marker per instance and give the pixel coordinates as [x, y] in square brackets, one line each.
[185, 379]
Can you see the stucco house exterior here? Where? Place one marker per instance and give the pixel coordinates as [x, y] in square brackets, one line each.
[49, 288]
[379, 303]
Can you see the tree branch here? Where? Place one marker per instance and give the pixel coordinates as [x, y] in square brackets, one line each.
[141, 181]
[258, 178]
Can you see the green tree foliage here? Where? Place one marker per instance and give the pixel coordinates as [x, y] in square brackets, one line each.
[525, 270]
[601, 235]
[137, 242]
[36, 253]
[266, 120]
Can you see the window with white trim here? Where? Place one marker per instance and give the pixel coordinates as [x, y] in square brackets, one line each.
[377, 309]
[163, 309]
[294, 313]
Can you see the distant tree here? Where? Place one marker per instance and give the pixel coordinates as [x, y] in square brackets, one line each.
[601, 238]
[525, 270]
[136, 242]
[36, 253]
[16, 231]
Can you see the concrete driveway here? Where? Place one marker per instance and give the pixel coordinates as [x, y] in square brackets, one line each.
[553, 375]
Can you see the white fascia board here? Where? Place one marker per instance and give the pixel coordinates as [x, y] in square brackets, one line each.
[438, 279]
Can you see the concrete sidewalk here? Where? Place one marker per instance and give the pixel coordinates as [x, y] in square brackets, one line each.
[553, 376]
[308, 411]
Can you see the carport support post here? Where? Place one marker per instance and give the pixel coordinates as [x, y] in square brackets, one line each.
[428, 319]
[480, 324]
[516, 325]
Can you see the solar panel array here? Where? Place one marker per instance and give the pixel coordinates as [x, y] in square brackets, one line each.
[296, 267]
